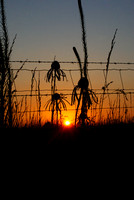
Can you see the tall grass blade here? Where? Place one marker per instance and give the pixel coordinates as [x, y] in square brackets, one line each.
[109, 55]
[79, 60]
[83, 38]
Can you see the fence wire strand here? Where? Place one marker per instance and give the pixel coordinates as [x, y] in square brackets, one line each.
[68, 92]
[71, 62]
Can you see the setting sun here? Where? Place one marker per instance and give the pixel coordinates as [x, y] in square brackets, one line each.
[67, 123]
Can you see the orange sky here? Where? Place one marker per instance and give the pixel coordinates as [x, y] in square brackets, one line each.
[23, 82]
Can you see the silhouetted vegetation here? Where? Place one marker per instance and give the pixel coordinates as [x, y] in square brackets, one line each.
[56, 103]
[106, 84]
[7, 79]
[18, 113]
[86, 95]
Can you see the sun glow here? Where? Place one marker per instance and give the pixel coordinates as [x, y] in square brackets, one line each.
[67, 123]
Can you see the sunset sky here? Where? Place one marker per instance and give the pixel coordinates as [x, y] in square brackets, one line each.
[49, 28]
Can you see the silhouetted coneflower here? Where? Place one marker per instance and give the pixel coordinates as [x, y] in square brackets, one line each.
[56, 103]
[55, 73]
[86, 95]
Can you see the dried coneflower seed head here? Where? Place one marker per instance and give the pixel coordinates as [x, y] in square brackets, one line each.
[55, 96]
[55, 65]
[83, 83]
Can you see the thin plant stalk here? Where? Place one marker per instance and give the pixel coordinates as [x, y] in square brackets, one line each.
[105, 87]
[38, 100]
[31, 92]
[124, 96]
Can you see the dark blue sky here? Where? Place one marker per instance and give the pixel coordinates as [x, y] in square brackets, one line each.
[48, 28]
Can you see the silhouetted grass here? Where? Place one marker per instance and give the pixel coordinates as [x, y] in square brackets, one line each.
[106, 84]
[7, 79]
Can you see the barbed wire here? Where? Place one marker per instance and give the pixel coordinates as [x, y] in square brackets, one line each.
[68, 70]
[69, 94]
[49, 90]
[73, 109]
[71, 62]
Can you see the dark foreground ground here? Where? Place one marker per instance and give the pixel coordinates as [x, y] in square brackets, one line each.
[39, 141]
[99, 159]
